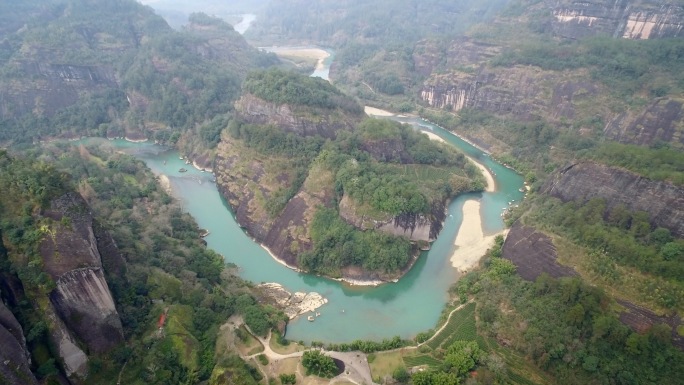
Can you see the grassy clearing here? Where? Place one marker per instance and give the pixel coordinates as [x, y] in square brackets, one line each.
[282, 349]
[246, 343]
[461, 326]
[420, 360]
[385, 363]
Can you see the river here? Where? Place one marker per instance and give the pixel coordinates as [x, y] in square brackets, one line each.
[245, 22]
[405, 308]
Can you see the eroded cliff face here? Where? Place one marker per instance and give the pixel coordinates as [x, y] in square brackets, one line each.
[663, 201]
[81, 308]
[412, 226]
[300, 120]
[461, 75]
[248, 180]
[15, 360]
[629, 19]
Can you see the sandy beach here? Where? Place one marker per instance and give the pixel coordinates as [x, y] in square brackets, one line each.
[471, 242]
[165, 183]
[372, 111]
[305, 53]
[491, 185]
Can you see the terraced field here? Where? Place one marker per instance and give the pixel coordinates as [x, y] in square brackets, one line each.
[461, 326]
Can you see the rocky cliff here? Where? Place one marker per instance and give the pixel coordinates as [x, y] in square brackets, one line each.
[248, 179]
[534, 253]
[663, 201]
[472, 72]
[629, 19]
[15, 360]
[301, 120]
[81, 309]
[416, 227]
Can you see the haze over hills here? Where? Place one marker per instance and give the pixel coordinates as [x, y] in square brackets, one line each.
[104, 278]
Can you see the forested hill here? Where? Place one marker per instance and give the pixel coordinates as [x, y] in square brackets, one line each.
[306, 171]
[114, 68]
[89, 263]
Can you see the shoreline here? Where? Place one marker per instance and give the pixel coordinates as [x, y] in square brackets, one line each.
[471, 244]
[489, 179]
[309, 53]
[350, 281]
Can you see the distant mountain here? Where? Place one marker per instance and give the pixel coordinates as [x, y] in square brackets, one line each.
[114, 68]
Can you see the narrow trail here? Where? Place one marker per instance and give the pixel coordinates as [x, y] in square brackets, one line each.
[356, 368]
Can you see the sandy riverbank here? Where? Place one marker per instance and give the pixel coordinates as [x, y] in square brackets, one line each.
[317, 54]
[471, 242]
[372, 111]
[491, 185]
[352, 282]
[165, 183]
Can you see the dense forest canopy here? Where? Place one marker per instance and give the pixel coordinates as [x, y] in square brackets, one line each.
[166, 261]
[284, 87]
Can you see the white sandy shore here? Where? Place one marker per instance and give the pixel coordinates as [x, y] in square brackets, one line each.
[165, 183]
[491, 185]
[353, 282]
[372, 111]
[306, 53]
[471, 242]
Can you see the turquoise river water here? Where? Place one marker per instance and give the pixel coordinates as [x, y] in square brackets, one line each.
[405, 308]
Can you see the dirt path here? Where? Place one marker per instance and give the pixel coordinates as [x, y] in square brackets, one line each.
[445, 324]
[356, 365]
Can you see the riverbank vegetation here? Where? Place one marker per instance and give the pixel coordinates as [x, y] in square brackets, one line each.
[568, 328]
[619, 241]
[167, 269]
[378, 170]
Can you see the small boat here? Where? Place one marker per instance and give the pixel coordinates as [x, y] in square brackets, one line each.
[183, 170]
[318, 314]
[310, 318]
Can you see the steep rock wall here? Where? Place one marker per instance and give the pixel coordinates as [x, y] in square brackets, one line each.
[414, 227]
[53, 87]
[83, 299]
[15, 360]
[81, 306]
[629, 19]
[664, 202]
[300, 120]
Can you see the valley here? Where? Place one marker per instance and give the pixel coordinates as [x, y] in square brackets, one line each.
[478, 192]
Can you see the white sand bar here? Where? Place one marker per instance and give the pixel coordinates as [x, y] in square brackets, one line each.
[305, 53]
[372, 111]
[491, 185]
[471, 243]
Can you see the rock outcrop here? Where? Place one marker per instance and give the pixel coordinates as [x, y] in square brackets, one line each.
[301, 120]
[81, 308]
[650, 19]
[533, 253]
[15, 360]
[663, 201]
[412, 226]
[246, 182]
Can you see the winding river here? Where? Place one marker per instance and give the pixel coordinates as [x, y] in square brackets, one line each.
[405, 308]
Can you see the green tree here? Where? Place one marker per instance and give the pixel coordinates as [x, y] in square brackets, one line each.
[318, 364]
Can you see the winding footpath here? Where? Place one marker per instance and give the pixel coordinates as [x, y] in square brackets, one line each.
[356, 368]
